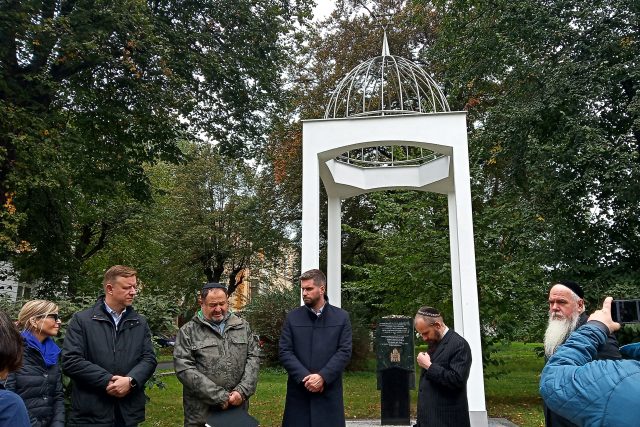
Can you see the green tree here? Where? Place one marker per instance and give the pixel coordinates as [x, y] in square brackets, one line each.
[551, 91]
[91, 92]
[550, 88]
[213, 216]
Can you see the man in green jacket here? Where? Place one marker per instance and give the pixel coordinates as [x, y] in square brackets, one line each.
[216, 358]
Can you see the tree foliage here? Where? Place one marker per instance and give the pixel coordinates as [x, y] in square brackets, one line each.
[266, 314]
[213, 216]
[90, 92]
[550, 89]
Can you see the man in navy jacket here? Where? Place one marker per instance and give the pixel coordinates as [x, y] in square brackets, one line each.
[315, 348]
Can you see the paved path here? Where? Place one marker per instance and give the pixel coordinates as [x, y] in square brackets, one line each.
[493, 422]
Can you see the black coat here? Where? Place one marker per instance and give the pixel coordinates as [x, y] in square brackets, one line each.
[40, 388]
[442, 393]
[93, 351]
[608, 350]
[318, 345]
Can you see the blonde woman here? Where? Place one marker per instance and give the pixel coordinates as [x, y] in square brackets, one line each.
[38, 382]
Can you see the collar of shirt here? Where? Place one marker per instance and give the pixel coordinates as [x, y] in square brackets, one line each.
[319, 311]
[446, 329]
[218, 326]
[114, 314]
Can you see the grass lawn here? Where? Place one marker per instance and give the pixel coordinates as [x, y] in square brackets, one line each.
[512, 395]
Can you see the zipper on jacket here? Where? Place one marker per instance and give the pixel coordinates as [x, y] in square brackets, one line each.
[113, 329]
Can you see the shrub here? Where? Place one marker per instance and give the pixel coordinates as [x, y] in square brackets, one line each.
[266, 313]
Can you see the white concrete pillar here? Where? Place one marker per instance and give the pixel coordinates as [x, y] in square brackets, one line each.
[334, 250]
[456, 287]
[465, 293]
[310, 257]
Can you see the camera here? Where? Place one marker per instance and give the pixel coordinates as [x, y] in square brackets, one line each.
[625, 311]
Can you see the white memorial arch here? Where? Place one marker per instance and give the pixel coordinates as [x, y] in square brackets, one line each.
[388, 126]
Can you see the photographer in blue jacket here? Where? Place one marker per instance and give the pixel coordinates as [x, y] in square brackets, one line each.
[592, 392]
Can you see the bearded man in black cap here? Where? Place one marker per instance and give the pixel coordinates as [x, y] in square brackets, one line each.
[566, 313]
[216, 358]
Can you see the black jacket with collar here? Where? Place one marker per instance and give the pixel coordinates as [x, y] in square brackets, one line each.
[93, 351]
[442, 393]
[40, 387]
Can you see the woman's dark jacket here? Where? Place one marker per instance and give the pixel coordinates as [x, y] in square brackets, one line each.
[40, 388]
[94, 351]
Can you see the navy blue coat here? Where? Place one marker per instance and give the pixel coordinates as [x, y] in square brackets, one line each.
[12, 410]
[315, 345]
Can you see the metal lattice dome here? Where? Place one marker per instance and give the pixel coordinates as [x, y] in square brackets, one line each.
[386, 85]
[382, 86]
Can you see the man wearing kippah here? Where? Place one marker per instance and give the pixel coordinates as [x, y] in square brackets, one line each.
[216, 358]
[566, 314]
[442, 393]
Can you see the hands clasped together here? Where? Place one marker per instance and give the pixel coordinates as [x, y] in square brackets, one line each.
[119, 386]
[235, 399]
[314, 383]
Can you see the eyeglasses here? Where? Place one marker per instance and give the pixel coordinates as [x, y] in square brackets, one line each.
[55, 316]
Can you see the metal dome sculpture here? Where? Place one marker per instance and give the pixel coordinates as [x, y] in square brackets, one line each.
[385, 85]
[381, 86]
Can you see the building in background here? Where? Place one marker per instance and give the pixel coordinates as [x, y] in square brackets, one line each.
[10, 285]
[260, 279]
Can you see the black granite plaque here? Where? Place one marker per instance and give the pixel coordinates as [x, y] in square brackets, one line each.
[395, 366]
[394, 343]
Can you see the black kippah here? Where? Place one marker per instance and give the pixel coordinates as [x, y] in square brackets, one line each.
[214, 285]
[577, 289]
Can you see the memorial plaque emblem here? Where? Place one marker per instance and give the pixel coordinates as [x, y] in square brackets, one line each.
[395, 367]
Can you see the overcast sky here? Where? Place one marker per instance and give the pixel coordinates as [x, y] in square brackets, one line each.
[323, 9]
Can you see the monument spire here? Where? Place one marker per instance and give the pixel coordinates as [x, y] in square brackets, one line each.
[385, 44]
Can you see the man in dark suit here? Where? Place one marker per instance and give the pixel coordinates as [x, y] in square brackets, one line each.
[315, 348]
[442, 393]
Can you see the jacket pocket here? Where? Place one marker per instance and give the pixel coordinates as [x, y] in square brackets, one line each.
[86, 404]
[205, 352]
[239, 344]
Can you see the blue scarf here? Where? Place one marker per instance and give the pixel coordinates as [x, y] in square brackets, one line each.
[48, 348]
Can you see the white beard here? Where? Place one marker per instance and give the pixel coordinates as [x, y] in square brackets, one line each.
[558, 330]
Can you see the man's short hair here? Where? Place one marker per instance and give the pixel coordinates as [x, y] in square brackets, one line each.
[208, 287]
[117, 271]
[10, 344]
[318, 277]
[429, 314]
